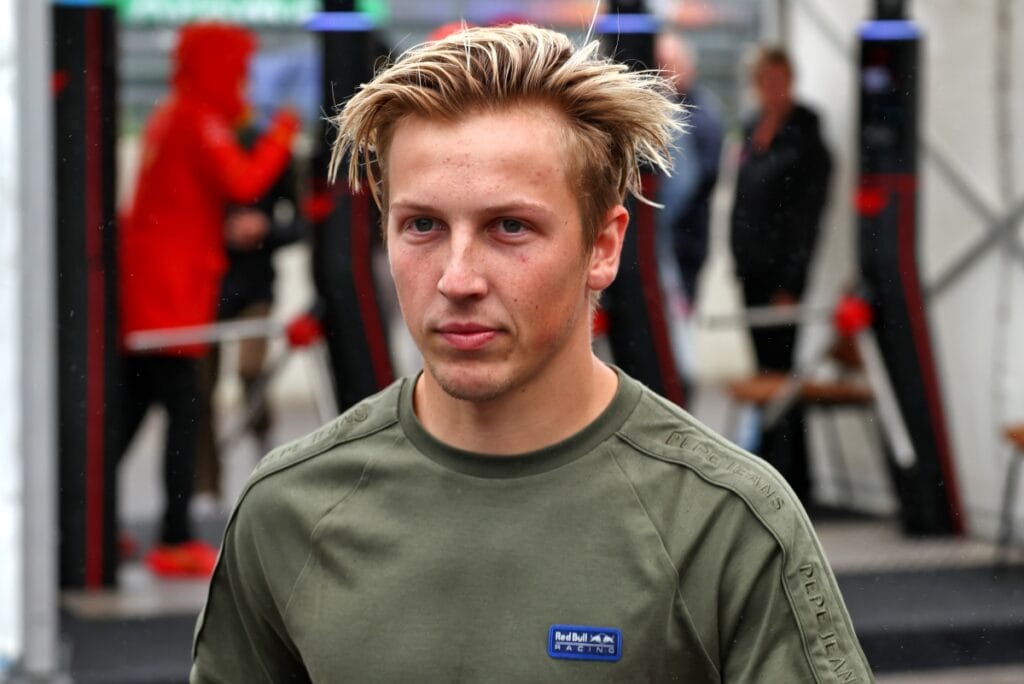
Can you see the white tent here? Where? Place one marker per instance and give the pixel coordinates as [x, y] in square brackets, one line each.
[970, 214]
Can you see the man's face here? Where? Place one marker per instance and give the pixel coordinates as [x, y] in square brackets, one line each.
[486, 249]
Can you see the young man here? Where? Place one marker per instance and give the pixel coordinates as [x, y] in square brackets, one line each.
[519, 511]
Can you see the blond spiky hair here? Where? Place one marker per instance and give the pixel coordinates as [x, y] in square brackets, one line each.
[617, 119]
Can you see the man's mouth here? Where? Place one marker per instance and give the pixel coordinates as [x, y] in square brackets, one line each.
[467, 336]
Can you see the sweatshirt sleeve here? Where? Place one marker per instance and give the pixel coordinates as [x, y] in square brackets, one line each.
[783, 618]
[241, 634]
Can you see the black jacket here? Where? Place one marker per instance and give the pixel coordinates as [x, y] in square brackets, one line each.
[780, 194]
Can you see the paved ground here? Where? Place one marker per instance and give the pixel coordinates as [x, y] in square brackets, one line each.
[974, 675]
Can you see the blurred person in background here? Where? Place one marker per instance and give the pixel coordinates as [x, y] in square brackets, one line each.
[686, 194]
[683, 224]
[246, 292]
[172, 251]
[781, 189]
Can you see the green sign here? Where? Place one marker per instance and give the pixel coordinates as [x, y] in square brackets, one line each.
[377, 9]
[238, 11]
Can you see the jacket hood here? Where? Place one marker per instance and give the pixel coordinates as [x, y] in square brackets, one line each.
[211, 64]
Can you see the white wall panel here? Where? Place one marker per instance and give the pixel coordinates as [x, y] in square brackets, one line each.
[978, 323]
[10, 415]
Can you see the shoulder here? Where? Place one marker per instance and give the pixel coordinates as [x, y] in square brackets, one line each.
[714, 505]
[805, 117]
[741, 544]
[369, 416]
[267, 540]
[677, 455]
[705, 121]
[297, 484]
[308, 474]
[706, 102]
[208, 128]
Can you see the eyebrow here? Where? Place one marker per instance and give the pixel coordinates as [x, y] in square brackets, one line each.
[510, 207]
[405, 205]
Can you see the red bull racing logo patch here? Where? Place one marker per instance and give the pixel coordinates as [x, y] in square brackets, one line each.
[577, 642]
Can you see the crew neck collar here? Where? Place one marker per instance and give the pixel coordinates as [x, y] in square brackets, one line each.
[519, 465]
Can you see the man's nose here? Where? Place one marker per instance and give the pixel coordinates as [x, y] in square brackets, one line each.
[462, 277]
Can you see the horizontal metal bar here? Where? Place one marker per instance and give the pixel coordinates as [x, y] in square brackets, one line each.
[766, 316]
[224, 331]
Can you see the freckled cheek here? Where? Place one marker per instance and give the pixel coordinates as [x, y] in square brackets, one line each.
[411, 282]
[411, 266]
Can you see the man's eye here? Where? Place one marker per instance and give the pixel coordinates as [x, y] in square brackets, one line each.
[511, 226]
[422, 225]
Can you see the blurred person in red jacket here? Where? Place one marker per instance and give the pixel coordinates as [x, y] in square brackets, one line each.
[172, 249]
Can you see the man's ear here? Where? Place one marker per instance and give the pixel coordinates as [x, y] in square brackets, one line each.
[604, 257]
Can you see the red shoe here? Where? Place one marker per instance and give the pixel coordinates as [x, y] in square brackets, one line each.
[193, 559]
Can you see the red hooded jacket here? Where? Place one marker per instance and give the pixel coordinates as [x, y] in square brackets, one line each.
[171, 241]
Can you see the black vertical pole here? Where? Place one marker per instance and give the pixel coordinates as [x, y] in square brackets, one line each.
[344, 241]
[887, 205]
[638, 330]
[85, 89]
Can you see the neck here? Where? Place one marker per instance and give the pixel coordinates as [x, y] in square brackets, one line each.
[779, 110]
[544, 411]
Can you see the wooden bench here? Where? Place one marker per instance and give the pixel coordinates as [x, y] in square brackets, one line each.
[761, 389]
